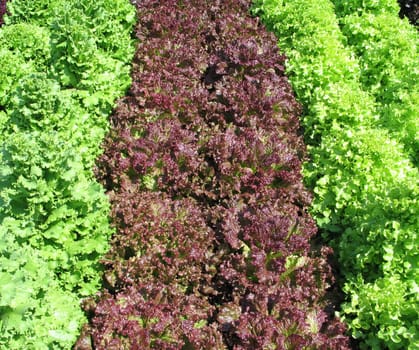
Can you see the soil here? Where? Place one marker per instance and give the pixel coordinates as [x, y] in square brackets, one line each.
[410, 9]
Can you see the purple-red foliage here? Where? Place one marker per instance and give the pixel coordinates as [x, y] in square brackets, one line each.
[3, 10]
[203, 169]
[152, 316]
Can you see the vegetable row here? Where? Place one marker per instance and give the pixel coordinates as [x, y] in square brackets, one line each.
[359, 92]
[387, 51]
[203, 168]
[63, 63]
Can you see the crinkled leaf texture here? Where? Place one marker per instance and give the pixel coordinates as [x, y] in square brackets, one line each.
[361, 142]
[203, 169]
[59, 81]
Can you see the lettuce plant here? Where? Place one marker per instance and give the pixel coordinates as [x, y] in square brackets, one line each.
[387, 51]
[54, 223]
[365, 186]
[203, 169]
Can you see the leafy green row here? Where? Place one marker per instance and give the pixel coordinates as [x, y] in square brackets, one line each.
[388, 53]
[63, 63]
[365, 187]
